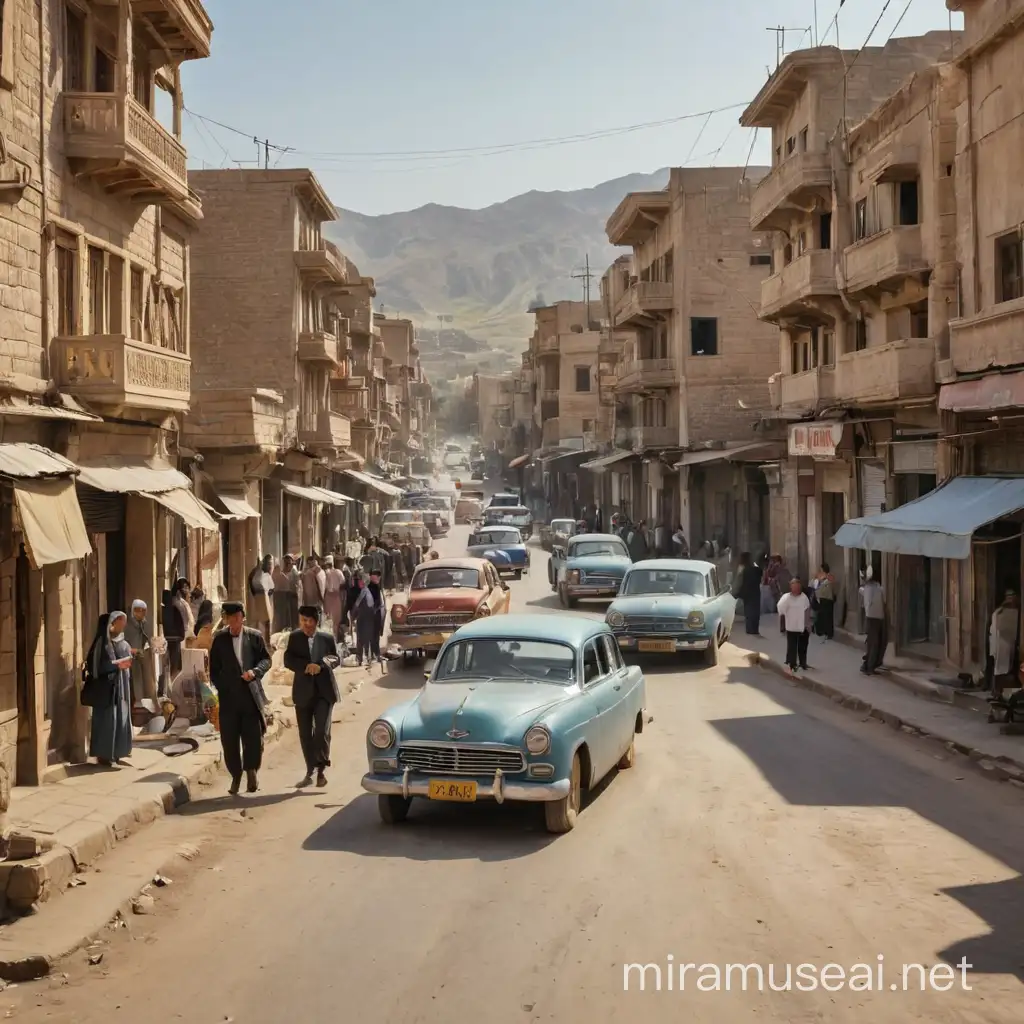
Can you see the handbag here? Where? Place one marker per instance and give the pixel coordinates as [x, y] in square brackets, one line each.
[97, 690]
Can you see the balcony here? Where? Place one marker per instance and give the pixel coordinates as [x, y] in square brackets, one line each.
[990, 339]
[802, 393]
[646, 375]
[547, 346]
[240, 419]
[887, 373]
[327, 431]
[321, 266]
[360, 317]
[790, 189]
[654, 437]
[183, 26]
[642, 302]
[791, 291]
[637, 216]
[320, 347]
[113, 370]
[117, 142]
[353, 403]
[884, 260]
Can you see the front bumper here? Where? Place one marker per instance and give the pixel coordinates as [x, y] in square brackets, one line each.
[420, 640]
[630, 642]
[500, 788]
[585, 590]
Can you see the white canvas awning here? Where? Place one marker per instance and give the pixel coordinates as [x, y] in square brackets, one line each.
[186, 506]
[381, 486]
[51, 520]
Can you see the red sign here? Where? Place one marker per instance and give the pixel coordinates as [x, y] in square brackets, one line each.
[816, 440]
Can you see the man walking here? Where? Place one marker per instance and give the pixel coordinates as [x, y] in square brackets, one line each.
[312, 655]
[313, 582]
[239, 660]
[748, 590]
[873, 600]
[368, 613]
[794, 615]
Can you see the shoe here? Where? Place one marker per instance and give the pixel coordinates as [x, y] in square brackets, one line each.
[252, 782]
[236, 785]
[307, 780]
[321, 780]
[805, 668]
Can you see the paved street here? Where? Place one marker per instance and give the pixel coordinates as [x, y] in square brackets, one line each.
[760, 825]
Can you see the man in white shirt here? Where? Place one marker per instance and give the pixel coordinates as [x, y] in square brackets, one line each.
[794, 614]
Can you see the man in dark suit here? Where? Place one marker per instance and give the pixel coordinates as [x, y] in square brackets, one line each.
[312, 655]
[239, 660]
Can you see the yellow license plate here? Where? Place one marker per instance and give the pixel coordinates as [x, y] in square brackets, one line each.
[460, 792]
[657, 645]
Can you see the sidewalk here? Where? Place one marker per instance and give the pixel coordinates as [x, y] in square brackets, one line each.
[893, 697]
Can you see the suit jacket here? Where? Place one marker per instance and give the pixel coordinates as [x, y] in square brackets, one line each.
[226, 673]
[307, 690]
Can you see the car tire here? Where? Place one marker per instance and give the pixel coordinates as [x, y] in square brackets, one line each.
[393, 810]
[560, 815]
[519, 574]
[711, 651]
[628, 759]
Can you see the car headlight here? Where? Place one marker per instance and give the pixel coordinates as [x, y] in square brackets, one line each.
[398, 612]
[695, 619]
[482, 611]
[574, 576]
[616, 619]
[381, 735]
[537, 740]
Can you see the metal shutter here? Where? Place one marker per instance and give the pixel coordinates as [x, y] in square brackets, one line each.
[915, 457]
[102, 512]
[872, 482]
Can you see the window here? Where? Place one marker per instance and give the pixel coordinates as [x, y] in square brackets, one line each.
[1009, 268]
[74, 64]
[704, 336]
[582, 378]
[106, 76]
[801, 243]
[97, 291]
[803, 140]
[588, 426]
[908, 204]
[860, 334]
[828, 348]
[137, 299]
[919, 320]
[860, 220]
[761, 259]
[613, 652]
[790, 145]
[67, 274]
[592, 667]
[825, 231]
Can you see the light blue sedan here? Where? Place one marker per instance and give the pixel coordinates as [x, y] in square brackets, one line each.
[588, 565]
[517, 707]
[672, 604]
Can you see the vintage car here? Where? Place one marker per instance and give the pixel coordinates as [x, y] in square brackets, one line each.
[444, 595]
[468, 510]
[588, 565]
[508, 499]
[518, 516]
[672, 604]
[557, 531]
[407, 533]
[517, 707]
[506, 540]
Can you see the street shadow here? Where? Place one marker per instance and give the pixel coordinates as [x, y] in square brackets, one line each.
[88, 768]
[652, 665]
[250, 801]
[400, 677]
[435, 831]
[807, 762]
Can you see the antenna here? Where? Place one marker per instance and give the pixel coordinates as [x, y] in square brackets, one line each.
[780, 39]
[586, 277]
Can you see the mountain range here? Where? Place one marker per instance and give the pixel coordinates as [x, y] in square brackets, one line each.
[485, 268]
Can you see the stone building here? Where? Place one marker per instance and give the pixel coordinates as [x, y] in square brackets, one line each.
[411, 392]
[96, 216]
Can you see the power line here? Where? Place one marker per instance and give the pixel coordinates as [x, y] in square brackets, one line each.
[901, 17]
[878, 21]
[696, 140]
[835, 22]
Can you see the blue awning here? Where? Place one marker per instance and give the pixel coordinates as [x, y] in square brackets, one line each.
[939, 524]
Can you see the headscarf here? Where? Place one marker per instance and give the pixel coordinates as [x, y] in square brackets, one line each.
[179, 584]
[98, 653]
[112, 618]
[139, 603]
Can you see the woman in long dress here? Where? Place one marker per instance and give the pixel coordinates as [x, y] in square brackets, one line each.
[109, 664]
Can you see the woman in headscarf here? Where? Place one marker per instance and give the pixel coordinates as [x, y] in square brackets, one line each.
[108, 690]
[178, 622]
[203, 628]
[138, 635]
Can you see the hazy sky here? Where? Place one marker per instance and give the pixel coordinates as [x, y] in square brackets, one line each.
[336, 78]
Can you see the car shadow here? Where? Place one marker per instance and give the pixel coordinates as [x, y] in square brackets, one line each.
[435, 831]
[686, 662]
[400, 676]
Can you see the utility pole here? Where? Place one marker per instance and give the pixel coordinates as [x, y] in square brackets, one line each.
[780, 39]
[586, 277]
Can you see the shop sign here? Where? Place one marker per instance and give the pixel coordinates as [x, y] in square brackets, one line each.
[815, 440]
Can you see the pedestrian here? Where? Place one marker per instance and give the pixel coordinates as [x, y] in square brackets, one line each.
[825, 594]
[178, 622]
[388, 567]
[637, 542]
[239, 659]
[748, 590]
[313, 581]
[259, 595]
[373, 559]
[873, 602]
[368, 613]
[106, 688]
[794, 617]
[398, 566]
[679, 545]
[334, 597]
[286, 595]
[312, 655]
[203, 638]
[1003, 633]
[433, 556]
[139, 636]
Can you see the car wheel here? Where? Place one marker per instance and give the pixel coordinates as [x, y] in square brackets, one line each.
[628, 759]
[393, 810]
[560, 815]
[519, 574]
[711, 652]
[563, 598]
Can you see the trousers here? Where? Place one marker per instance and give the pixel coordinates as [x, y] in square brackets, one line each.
[752, 614]
[367, 637]
[875, 648]
[241, 736]
[314, 724]
[796, 648]
[824, 624]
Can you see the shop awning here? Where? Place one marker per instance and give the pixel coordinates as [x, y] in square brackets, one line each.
[186, 506]
[51, 520]
[941, 523]
[235, 507]
[133, 477]
[771, 449]
[381, 486]
[599, 465]
[564, 457]
[331, 497]
[32, 461]
[519, 460]
[306, 493]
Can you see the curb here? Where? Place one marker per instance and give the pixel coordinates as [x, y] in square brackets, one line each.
[997, 767]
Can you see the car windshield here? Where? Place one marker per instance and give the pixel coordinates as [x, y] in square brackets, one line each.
[598, 547]
[440, 577]
[562, 525]
[664, 581]
[509, 510]
[504, 501]
[511, 660]
[499, 537]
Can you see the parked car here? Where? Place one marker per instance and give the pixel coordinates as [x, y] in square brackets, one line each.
[506, 540]
[557, 529]
[588, 565]
[669, 605]
[517, 707]
[468, 510]
[444, 595]
[508, 499]
[518, 516]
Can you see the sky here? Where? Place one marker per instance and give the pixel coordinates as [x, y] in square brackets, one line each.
[400, 103]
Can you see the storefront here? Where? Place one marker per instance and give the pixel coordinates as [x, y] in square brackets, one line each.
[615, 475]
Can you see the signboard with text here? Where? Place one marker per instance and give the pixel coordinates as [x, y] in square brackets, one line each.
[815, 440]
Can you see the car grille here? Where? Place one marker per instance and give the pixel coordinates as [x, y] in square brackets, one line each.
[655, 624]
[457, 759]
[593, 579]
[444, 619]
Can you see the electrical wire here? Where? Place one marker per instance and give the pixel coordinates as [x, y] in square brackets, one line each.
[900, 19]
[835, 22]
[878, 21]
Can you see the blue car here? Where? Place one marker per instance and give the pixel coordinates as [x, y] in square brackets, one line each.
[517, 707]
[506, 540]
[588, 565]
[673, 604]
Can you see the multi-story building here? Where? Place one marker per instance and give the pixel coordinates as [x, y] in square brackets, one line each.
[410, 391]
[96, 216]
[860, 202]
